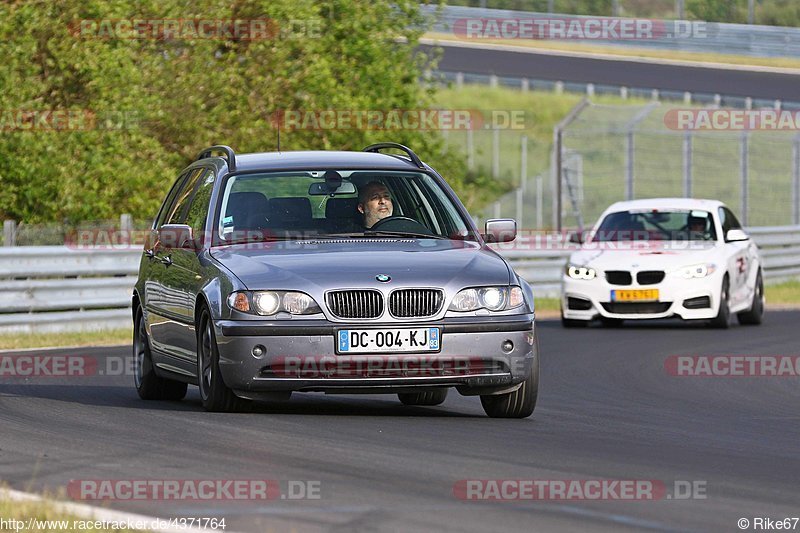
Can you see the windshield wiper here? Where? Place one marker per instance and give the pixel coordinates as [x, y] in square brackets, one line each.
[370, 233]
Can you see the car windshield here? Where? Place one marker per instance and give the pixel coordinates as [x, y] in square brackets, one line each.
[657, 225]
[317, 204]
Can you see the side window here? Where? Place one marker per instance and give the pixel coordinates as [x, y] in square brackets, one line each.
[724, 221]
[198, 209]
[177, 211]
[162, 213]
[728, 221]
[734, 222]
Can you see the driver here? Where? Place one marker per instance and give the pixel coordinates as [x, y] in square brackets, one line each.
[697, 226]
[374, 202]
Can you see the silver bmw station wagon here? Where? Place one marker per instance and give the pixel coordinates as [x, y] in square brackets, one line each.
[338, 272]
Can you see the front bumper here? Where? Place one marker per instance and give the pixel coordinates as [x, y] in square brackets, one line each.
[674, 296]
[300, 355]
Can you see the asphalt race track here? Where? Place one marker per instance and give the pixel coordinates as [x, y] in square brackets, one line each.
[743, 83]
[607, 410]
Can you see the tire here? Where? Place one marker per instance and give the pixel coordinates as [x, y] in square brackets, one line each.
[723, 318]
[517, 404]
[148, 384]
[611, 322]
[572, 323]
[214, 394]
[435, 397]
[755, 315]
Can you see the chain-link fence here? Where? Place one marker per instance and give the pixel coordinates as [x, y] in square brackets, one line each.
[609, 153]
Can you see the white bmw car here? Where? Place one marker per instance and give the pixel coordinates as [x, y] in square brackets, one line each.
[661, 258]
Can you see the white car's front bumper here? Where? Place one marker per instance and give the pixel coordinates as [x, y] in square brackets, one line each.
[589, 299]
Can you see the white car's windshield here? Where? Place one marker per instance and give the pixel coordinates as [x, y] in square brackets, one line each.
[656, 225]
[326, 203]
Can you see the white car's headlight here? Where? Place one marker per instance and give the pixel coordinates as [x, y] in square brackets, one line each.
[580, 272]
[268, 303]
[491, 298]
[696, 271]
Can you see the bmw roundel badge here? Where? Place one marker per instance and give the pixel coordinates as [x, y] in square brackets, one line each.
[383, 278]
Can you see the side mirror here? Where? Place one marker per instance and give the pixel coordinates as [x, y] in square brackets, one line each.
[576, 237]
[735, 235]
[177, 236]
[500, 230]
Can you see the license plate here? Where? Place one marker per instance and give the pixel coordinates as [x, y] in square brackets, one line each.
[635, 295]
[388, 340]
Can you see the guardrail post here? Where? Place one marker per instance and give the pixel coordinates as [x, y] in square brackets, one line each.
[687, 164]
[459, 80]
[525, 85]
[523, 162]
[796, 180]
[9, 233]
[744, 170]
[493, 81]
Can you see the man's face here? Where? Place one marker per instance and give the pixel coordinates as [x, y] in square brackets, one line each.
[377, 204]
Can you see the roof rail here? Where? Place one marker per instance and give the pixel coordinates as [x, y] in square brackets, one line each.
[230, 155]
[376, 148]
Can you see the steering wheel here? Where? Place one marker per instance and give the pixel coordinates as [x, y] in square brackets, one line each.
[391, 219]
[400, 223]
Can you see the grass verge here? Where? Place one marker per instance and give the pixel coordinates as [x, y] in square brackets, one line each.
[776, 62]
[787, 293]
[20, 341]
[43, 517]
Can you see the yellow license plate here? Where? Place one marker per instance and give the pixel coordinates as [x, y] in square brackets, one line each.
[635, 295]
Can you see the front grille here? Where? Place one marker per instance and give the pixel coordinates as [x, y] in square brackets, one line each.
[410, 303]
[578, 304]
[618, 277]
[635, 308]
[650, 277]
[355, 303]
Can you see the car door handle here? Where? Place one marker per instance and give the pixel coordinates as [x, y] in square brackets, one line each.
[167, 260]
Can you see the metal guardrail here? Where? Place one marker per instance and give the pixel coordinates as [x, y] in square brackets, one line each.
[718, 38]
[56, 288]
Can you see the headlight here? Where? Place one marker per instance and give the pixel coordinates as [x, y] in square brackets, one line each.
[696, 271]
[268, 303]
[491, 298]
[580, 272]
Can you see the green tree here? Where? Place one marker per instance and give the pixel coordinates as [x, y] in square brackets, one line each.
[180, 95]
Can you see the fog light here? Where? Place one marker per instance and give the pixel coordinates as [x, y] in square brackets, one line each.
[508, 346]
[259, 351]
